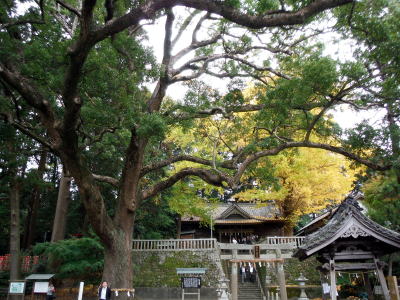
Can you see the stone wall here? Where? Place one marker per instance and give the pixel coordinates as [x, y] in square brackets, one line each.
[172, 294]
[158, 269]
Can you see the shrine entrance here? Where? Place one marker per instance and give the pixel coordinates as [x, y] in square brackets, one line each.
[351, 242]
[236, 264]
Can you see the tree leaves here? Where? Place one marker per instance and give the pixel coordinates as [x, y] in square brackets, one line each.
[74, 258]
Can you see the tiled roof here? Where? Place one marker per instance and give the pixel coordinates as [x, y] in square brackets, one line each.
[348, 213]
[244, 221]
[317, 219]
[248, 210]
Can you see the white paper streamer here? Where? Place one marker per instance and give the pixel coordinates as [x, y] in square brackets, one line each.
[129, 294]
[116, 293]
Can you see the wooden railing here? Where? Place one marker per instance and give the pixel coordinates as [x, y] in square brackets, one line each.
[174, 245]
[212, 244]
[281, 240]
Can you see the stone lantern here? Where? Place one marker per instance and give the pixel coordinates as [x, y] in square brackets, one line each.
[302, 282]
[222, 290]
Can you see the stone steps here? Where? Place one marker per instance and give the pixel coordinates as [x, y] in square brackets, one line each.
[249, 291]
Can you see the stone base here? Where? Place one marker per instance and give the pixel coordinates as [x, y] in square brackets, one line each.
[172, 294]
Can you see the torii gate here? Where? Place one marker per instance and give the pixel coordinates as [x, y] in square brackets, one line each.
[278, 262]
[350, 241]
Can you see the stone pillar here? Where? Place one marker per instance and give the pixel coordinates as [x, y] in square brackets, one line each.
[382, 279]
[332, 275]
[234, 277]
[281, 276]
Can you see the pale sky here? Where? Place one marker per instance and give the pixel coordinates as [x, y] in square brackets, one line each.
[345, 116]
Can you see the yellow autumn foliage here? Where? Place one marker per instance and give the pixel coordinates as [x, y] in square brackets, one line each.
[309, 180]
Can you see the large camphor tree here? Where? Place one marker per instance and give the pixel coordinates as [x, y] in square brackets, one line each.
[78, 71]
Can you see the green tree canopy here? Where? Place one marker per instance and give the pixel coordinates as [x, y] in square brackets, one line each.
[74, 75]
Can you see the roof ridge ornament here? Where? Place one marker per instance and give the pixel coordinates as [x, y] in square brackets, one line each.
[354, 231]
[353, 197]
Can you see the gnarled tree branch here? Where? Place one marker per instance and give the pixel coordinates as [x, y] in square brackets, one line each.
[114, 182]
[209, 176]
[183, 157]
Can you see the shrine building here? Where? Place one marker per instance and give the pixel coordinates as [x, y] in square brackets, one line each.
[237, 220]
[350, 241]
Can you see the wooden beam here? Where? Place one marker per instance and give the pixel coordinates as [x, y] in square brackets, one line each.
[332, 273]
[382, 279]
[234, 278]
[281, 276]
[347, 255]
[393, 288]
[368, 286]
[350, 266]
[255, 260]
[250, 257]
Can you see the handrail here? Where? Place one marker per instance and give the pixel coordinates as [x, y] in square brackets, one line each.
[174, 245]
[260, 286]
[279, 240]
[289, 242]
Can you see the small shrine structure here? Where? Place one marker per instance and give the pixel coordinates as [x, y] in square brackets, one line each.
[350, 241]
[235, 220]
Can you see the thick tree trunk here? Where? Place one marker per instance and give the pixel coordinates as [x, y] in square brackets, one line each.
[395, 140]
[118, 269]
[60, 218]
[288, 229]
[30, 225]
[15, 265]
[287, 211]
[178, 227]
[115, 234]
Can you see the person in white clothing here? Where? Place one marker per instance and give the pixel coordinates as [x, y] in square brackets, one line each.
[243, 269]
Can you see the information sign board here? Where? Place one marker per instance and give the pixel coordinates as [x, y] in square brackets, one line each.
[17, 287]
[41, 287]
[256, 251]
[191, 282]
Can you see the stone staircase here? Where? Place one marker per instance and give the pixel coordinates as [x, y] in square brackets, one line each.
[249, 291]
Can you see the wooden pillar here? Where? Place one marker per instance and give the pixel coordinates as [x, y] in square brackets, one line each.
[234, 277]
[281, 276]
[382, 280]
[332, 275]
[368, 287]
[393, 288]
[322, 279]
[178, 226]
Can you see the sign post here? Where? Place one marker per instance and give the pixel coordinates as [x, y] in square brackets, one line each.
[17, 287]
[80, 294]
[256, 251]
[191, 279]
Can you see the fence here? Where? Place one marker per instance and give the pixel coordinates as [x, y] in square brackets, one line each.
[27, 263]
[174, 245]
[209, 244]
[281, 240]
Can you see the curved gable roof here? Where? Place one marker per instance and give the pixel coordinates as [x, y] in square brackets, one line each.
[347, 221]
[234, 210]
[248, 210]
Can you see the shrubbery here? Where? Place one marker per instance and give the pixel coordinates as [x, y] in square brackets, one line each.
[80, 259]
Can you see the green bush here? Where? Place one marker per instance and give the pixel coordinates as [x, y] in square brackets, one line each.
[79, 259]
